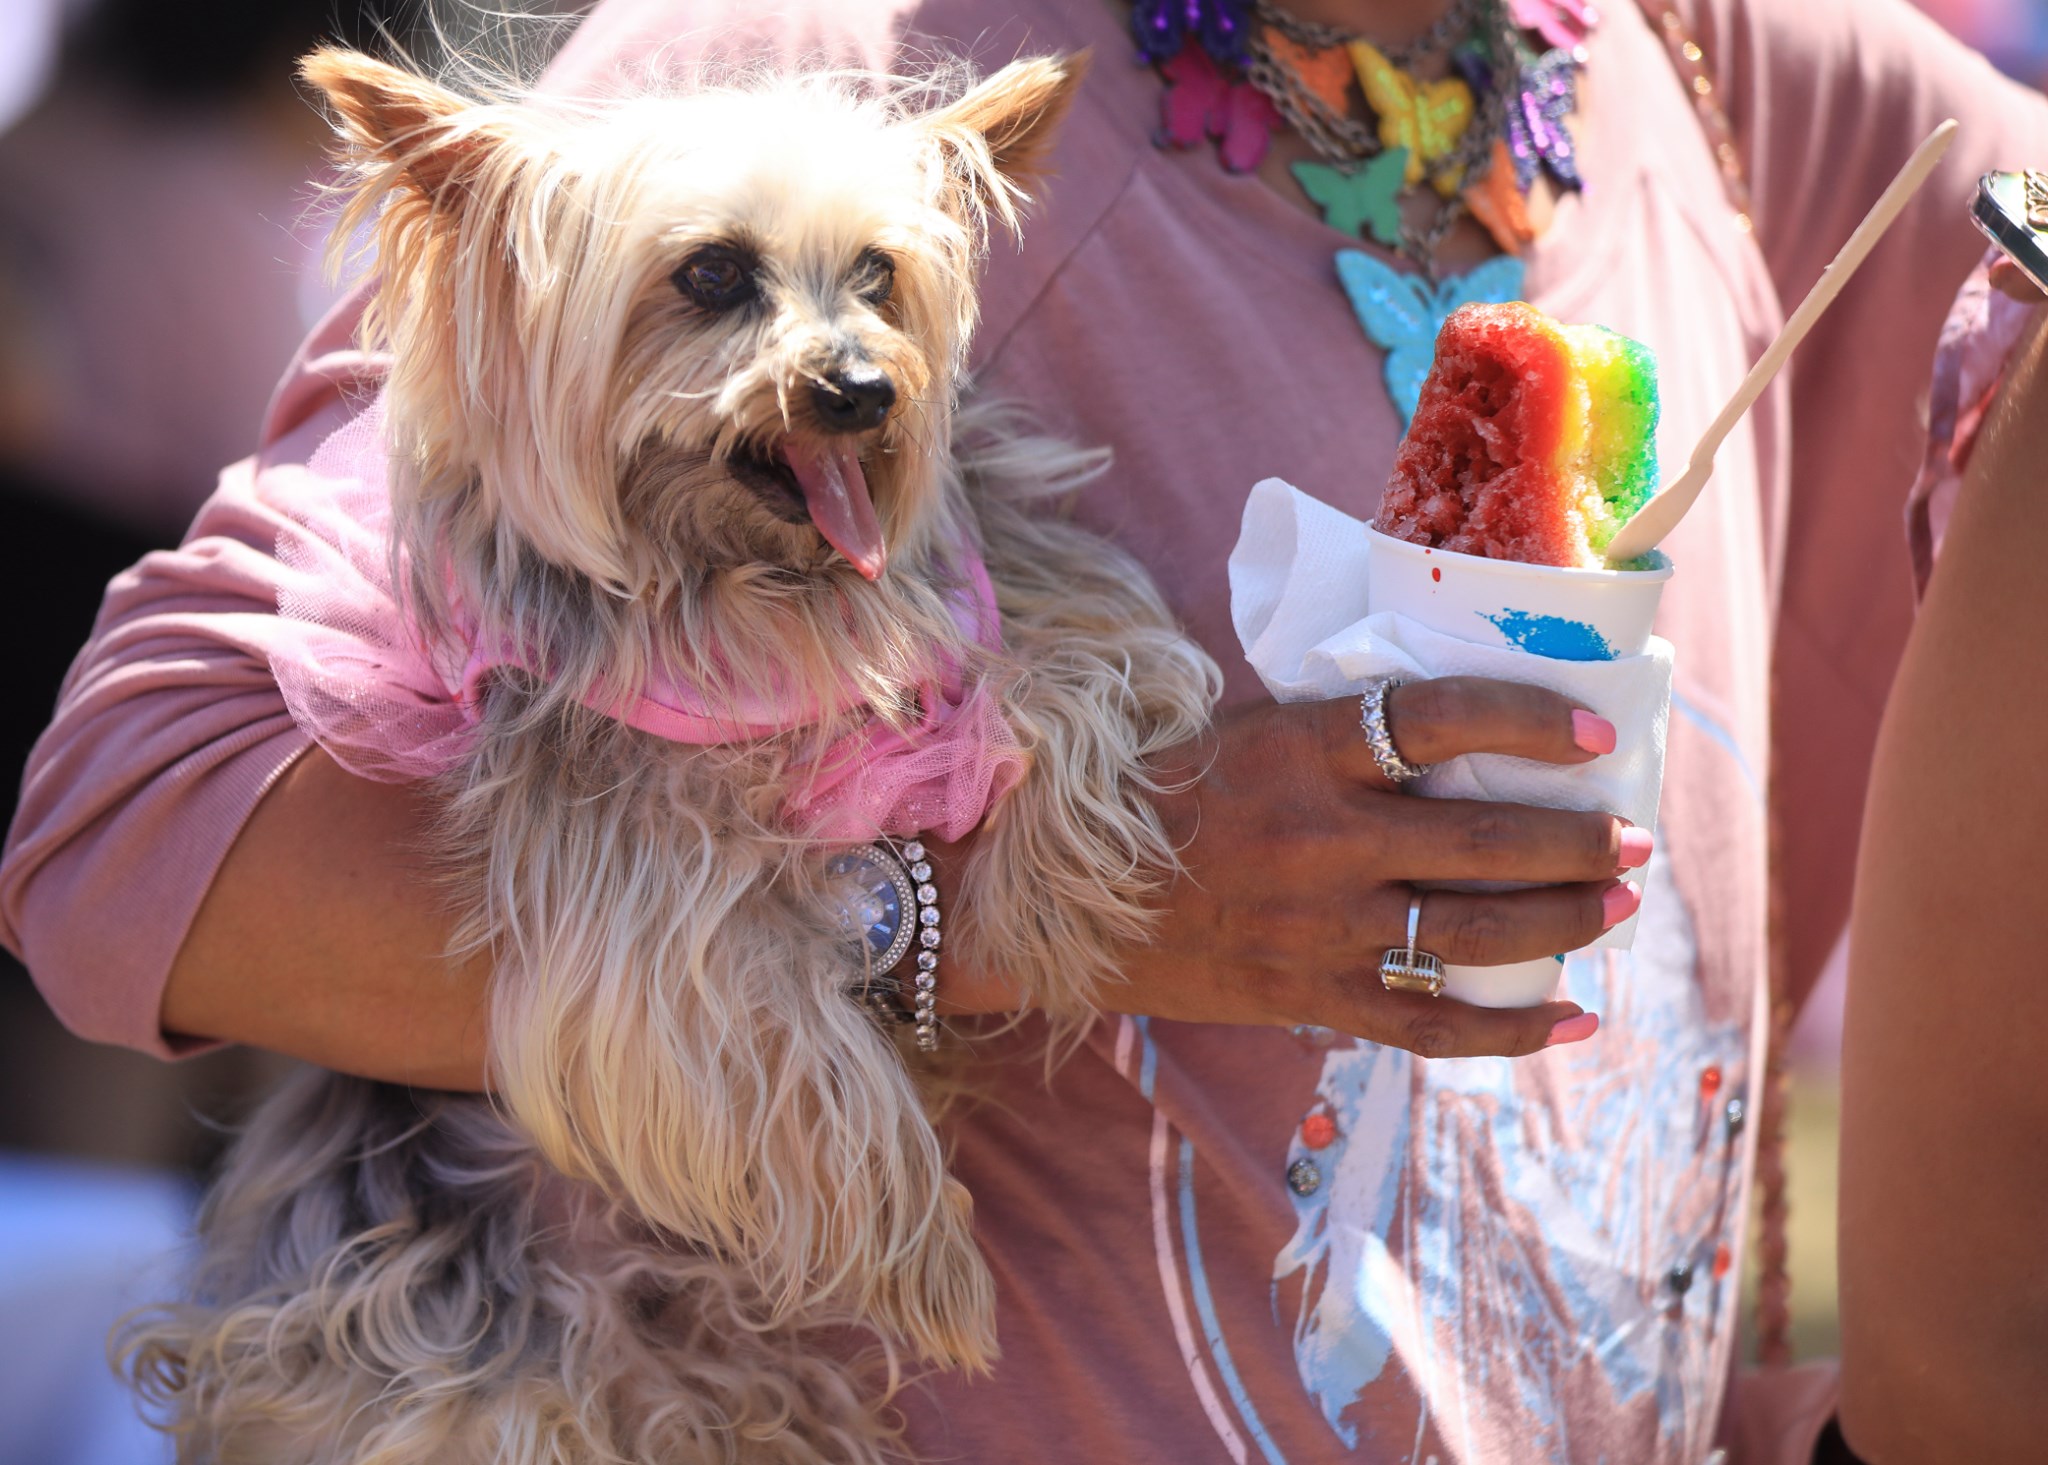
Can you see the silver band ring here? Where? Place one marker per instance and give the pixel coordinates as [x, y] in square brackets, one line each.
[1409, 968]
[1372, 716]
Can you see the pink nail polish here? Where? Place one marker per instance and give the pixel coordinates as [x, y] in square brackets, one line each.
[1594, 734]
[1574, 1030]
[1636, 845]
[1618, 904]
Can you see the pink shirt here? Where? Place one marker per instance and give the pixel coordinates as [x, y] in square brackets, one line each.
[1502, 1261]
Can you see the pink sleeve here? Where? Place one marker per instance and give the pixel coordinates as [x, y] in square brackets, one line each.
[1978, 339]
[1828, 98]
[167, 732]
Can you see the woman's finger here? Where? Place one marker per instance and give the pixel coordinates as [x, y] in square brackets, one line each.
[1493, 928]
[1446, 717]
[1471, 839]
[1438, 1027]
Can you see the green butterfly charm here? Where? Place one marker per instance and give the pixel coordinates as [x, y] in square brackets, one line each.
[1368, 196]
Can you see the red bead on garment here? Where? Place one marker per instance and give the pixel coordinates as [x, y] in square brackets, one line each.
[1723, 1259]
[1318, 1130]
[1710, 1082]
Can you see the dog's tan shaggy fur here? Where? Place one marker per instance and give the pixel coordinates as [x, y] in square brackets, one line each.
[707, 1174]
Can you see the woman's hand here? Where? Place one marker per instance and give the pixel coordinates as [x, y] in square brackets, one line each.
[1298, 858]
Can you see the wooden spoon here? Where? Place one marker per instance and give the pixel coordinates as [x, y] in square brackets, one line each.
[1646, 529]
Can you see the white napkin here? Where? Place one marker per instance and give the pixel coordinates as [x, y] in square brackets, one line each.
[1298, 599]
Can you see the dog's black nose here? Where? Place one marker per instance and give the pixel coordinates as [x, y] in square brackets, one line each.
[853, 399]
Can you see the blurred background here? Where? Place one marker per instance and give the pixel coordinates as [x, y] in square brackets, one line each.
[159, 262]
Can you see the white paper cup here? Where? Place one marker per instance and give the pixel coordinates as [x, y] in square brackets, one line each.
[1547, 610]
[1544, 610]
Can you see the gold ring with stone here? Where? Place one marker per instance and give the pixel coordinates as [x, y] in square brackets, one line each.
[1409, 968]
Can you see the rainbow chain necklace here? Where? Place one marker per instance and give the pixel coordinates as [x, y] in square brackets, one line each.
[1238, 71]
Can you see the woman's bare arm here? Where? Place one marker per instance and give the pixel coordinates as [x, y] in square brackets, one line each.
[1944, 1190]
[322, 937]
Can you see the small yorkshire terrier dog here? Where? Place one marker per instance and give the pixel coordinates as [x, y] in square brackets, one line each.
[671, 423]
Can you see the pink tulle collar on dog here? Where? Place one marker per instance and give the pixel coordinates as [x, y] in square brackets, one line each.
[362, 681]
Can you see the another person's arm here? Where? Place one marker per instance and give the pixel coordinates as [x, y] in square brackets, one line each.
[1944, 1184]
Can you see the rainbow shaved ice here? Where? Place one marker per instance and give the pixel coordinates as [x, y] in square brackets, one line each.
[1532, 441]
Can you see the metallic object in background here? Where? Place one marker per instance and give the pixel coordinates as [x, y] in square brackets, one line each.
[2012, 211]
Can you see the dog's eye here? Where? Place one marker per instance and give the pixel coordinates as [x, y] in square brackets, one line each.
[717, 277]
[874, 278]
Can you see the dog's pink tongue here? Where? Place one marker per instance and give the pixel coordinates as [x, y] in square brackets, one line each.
[836, 493]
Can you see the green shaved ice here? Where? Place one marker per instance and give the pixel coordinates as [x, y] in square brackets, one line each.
[1620, 456]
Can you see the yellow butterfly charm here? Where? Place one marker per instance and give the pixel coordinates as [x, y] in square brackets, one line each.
[1427, 118]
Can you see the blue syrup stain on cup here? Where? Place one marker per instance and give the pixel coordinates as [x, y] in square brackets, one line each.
[1552, 636]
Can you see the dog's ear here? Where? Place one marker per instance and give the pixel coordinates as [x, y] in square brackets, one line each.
[1000, 134]
[394, 116]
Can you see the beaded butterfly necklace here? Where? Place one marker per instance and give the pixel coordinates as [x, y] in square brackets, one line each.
[1237, 71]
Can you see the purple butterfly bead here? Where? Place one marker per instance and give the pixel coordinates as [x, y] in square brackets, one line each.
[1161, 27]
[1536, 134]
[1224, 28]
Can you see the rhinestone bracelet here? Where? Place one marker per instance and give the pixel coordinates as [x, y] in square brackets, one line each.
[924, 1005]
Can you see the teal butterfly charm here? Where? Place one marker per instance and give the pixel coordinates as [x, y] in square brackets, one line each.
[1403, 313]
[1352, 199]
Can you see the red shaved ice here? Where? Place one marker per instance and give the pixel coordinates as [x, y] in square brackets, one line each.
[1517, 427]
